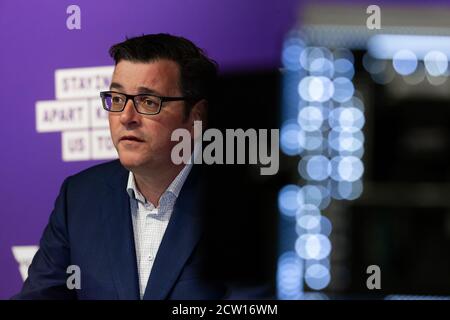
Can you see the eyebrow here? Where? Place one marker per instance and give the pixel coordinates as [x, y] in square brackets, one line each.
[141, 89]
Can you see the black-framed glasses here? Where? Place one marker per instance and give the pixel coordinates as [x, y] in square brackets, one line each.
[145, 103]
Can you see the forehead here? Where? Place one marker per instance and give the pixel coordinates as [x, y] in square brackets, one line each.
[160, 75]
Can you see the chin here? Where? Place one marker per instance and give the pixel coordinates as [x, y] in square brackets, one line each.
[131, 162]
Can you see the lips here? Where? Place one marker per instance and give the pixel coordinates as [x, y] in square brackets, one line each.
[131, 138]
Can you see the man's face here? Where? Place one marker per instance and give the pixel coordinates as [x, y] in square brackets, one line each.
[160, 77]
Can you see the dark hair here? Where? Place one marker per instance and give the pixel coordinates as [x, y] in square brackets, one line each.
[198, 73]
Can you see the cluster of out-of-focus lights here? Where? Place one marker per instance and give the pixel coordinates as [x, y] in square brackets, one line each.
[290, 276]
[325, 131]
[415, 58]
[404, 62]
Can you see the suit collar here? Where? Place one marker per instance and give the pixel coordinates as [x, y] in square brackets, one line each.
[179, 240]
[119, 235]
[182, 235]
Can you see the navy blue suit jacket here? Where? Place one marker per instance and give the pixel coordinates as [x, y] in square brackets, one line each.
[91, 227]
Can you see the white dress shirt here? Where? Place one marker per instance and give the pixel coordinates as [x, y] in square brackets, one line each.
[150, 223]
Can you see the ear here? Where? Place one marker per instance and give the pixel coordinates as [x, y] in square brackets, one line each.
[199, 112]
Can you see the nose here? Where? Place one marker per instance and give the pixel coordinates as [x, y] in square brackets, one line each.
[129, 116]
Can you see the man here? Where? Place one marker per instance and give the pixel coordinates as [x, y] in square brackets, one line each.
[133, 227]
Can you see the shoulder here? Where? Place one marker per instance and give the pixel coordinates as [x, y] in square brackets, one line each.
[101, 174]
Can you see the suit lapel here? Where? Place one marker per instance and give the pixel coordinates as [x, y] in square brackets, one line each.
[119, 237]
[179, 240]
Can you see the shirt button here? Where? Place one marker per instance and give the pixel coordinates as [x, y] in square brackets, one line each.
[150, 257]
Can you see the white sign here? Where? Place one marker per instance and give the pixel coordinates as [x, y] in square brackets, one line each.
[102, 145]
[52, 116]
[82, 82]
[24, 255]
[98, 115]
[76, 145]
[78, 114]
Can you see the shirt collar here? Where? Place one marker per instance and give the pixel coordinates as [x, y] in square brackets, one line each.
[174, 187]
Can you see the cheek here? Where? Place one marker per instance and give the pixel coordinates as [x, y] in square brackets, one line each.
[160, 133]
[161, 128]
[113, 127]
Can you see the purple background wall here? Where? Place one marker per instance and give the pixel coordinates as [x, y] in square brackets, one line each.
[35, 42]
[239, 34]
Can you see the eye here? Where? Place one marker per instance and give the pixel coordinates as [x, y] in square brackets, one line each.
[149, 102]
[117, 99]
